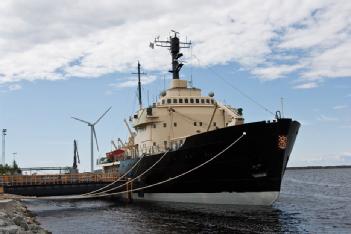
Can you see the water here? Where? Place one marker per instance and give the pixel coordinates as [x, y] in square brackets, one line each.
[313, 201]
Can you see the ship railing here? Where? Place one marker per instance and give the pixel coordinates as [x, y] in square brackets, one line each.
[156, 149]
[79, 178]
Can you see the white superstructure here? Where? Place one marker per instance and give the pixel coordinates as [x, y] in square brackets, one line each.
[181, 111]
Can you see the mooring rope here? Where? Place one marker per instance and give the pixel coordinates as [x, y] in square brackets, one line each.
[175, 177]
[104, 194]
[147, 170]
[112, 183]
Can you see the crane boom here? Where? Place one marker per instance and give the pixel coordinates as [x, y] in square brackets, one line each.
[121, 142]
[130, 131]
[114, 145]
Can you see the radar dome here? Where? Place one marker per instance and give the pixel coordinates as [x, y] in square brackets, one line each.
[163, 93]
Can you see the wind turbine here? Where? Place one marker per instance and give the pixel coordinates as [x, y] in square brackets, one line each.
[93, 135]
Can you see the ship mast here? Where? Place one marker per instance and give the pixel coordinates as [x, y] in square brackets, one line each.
[139, 86]
[174, 46]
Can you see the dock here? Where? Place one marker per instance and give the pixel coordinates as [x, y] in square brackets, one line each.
[56, 184]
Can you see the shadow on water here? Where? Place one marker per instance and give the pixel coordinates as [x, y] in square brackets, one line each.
[143, 217]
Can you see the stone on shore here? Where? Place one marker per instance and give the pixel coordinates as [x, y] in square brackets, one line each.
[15, 218]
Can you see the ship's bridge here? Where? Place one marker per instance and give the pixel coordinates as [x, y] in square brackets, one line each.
[180, 94]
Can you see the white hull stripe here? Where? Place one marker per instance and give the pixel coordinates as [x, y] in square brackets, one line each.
[247, 198]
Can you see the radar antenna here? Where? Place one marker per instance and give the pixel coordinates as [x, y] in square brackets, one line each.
[174, 46]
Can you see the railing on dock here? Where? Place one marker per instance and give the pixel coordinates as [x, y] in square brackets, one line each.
[79, 178]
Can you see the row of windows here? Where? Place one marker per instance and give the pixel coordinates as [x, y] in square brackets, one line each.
[175, 124]
[187, 100]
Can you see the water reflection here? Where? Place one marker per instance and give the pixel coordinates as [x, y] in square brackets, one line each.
[117, 217]
[216, 218]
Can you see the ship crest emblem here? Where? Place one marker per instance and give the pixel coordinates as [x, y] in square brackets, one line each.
[282, 142]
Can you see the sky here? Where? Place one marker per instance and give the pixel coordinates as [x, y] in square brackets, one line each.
[75, 58]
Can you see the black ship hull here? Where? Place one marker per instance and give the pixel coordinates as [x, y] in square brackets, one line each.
[249, 172]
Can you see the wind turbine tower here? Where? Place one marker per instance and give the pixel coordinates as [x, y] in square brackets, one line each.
[92, 136]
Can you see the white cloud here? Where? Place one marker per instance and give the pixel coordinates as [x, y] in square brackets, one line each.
[133, 82]
[14, 87]
[324, 118]
[61, 39]
[309, 85]
[339, 107]
[274, 72]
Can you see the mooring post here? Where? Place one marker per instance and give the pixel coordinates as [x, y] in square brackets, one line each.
[129, 190]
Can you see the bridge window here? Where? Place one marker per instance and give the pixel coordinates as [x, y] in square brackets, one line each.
[175, 100]
[197, 100]
[175, 124]
[186, 100]
[200, 123]
[191, 100]
[180, 100]
[212, 101]
[194, 123]
[208, 101]
[163, 101]
[202, 100]
[169, 101]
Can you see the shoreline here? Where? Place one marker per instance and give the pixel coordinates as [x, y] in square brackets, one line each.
[16, 218]
[319, 167]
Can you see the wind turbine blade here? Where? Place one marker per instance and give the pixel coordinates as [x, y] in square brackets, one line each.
[96, 141]
[81, 120]
[102, 115]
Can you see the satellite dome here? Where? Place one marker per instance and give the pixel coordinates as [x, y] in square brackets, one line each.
[211, 94]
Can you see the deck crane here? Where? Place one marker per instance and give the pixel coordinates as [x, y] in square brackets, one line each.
[113, 144]
[121, 142]
[75, 156]
[129, 130]
[132, 134]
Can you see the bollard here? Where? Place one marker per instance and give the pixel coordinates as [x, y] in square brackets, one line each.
[129, 190]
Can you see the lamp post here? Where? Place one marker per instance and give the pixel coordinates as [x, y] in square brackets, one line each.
[3, 145]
